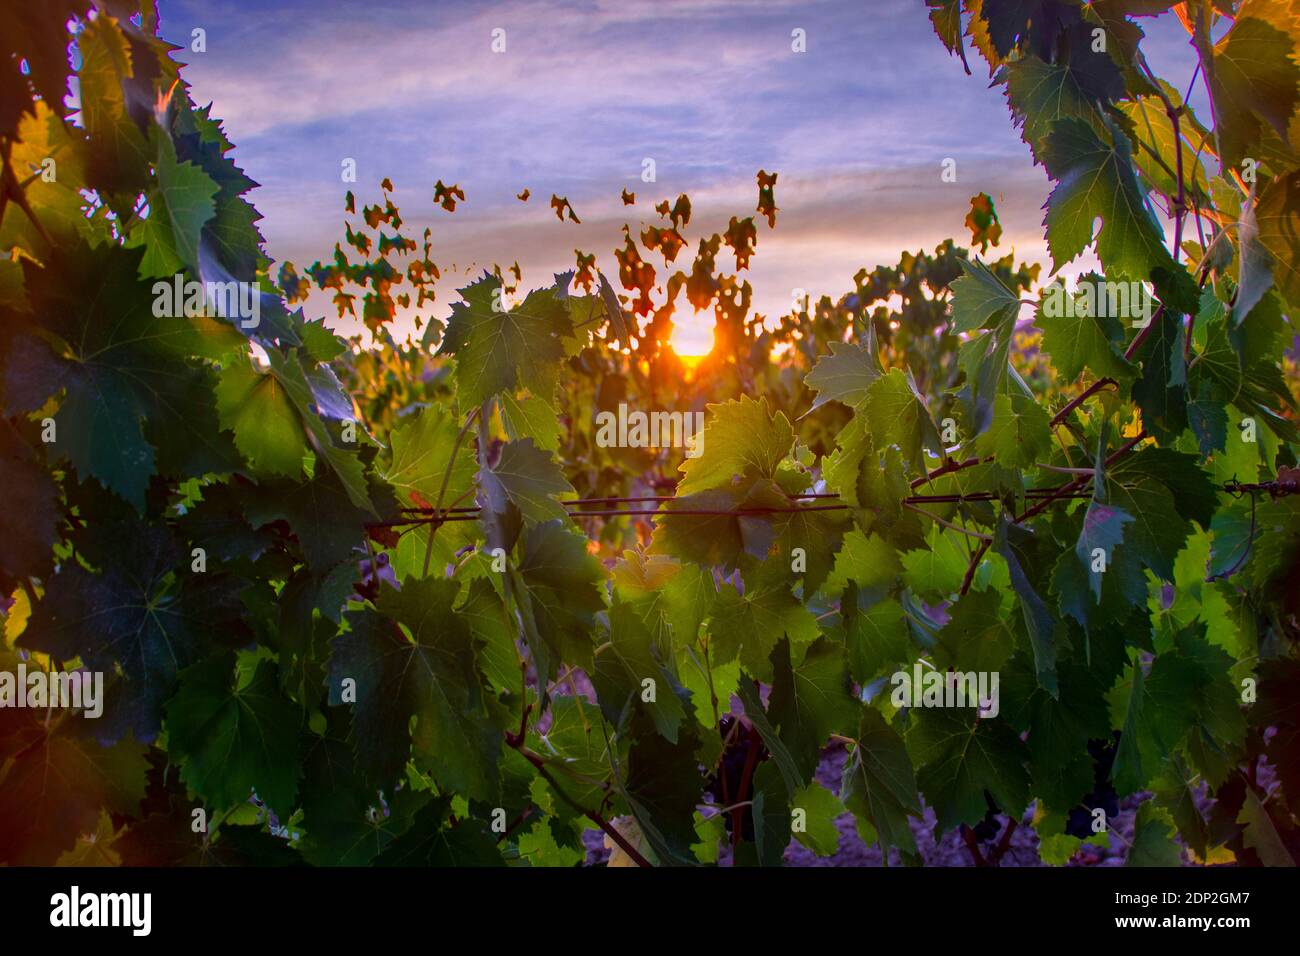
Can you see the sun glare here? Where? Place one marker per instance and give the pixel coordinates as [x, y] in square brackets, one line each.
[692, 336]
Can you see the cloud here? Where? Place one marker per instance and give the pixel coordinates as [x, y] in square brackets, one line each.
[857, 126]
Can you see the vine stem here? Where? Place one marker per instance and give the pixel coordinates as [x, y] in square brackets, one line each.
[953, 465]
[1004, 844]
[973, 845]
[1068, 489]
[518, 742]
[746, 778]
[1143, 333]
[969, 577]
[1060, 417]
[947, 524]
[947, 468]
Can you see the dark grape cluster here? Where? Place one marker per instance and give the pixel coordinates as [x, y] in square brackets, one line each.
[1103, 794]
[726, 783]
[990, 826]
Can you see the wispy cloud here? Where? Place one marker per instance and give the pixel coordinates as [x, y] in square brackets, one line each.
[857, 126]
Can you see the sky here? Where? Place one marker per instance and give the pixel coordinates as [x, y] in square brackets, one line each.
[857, 127]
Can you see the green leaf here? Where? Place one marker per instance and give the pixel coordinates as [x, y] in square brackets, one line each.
[866, 560]
[978, 636]
[345, 823]
[539, 848]
[896, 415]
[1188, 697]
[1153, 129]
[843, 376]
[877, 639]
[137, 616]
[1020, 434]
[936, 572]
[433, 841]
[672, 598]
[179, 207]
[722, 539]
[422, 457]
[116, 369]
[1059, 728]
[531, 417]
[233, 738]
[119, 164]
[1103, 529]
[741, 437]
[1095, 179]
[820, 809]
[663, 788]
[1277, 220]
[1254, 78]
[810, 700]
[751, 625]
[500, 350]
[1084, 342]
[1161, 390]
[1041, 94]
[319, 512]
[306, 397]
[791, 775]
[255, 407]
[959, 756]
[560, 590]
[980, 300]
[878, 782]
[1261, 832]
[622, 666]
[528, 479]
[1153, 839]
[1011, 542]
[417, 661]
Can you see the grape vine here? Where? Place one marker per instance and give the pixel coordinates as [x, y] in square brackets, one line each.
[396, 602]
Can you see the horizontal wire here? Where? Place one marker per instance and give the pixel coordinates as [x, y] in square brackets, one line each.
[574, 509]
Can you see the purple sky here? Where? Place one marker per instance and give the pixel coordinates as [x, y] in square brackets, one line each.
[857, 126]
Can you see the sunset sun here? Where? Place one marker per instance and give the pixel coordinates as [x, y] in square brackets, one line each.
[692, 337]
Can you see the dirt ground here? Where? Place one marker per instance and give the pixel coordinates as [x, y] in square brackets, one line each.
[949, 850]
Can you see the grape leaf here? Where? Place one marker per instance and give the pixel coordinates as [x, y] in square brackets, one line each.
[811, 699]
[741, 437]
[959, 756]
[525, 477]
[499, 350]
[135, 615]
[1095, 179]
[629, 659]
[57, 783]
[1019, 435]
[751, 625]
[980, 300]
[233, 738]
[415, 658]
[267, 432]
[423, 445]
[896, 415]
[879, 784]
[843, 376]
